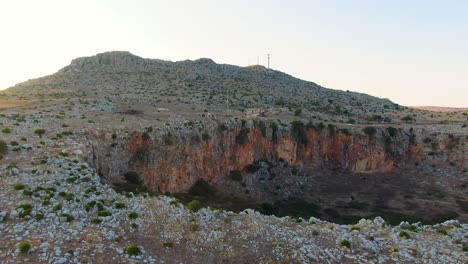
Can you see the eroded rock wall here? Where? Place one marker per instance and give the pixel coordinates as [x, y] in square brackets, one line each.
[173, 159]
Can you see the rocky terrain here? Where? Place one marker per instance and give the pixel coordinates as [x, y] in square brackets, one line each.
[120, 159]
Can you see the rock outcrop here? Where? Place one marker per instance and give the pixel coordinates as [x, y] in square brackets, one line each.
[173, 161]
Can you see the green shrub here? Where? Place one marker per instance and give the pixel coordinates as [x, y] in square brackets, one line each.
[442, 231]
[133, 215]
[69, 217]
[345, 243]
[6, 130]
[119, 205]
[39, 216]
[133, 250]
[27, 208]
[57, 207]
[69, 196]
[90, 205]
[19, 186]
[412, 228]
[404, 234]
[194, 205]
[104, 213]
[24, 248]
[3, 147]
[407, 118]
[39, 132]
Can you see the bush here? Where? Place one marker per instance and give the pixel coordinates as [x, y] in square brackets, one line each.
[57, 207]
[3, 147]
[39, 216]
[133, 215]
[18, 186]
[146, 136]
[6, 130]
[392, 131]
[119, 205]
[27, 208]
[69, 217]
[133, 250]
[370, 131]
[442, 231]
[168, 244]
[194, 205]
[407, 118]
[345, 243]
[412, 228]
[104, 213]
[404, 234]
[24, 248]
[39, 132]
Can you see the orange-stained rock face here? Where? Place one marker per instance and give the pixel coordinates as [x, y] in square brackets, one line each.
[175, 165]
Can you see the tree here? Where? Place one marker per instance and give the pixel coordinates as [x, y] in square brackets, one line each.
[39, 132]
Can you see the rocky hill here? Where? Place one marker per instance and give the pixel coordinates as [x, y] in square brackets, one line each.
[202, 84]
[116, 159]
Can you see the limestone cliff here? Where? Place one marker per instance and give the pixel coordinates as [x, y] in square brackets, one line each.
[173, 159]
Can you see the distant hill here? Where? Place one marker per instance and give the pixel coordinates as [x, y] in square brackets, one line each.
[440, 108]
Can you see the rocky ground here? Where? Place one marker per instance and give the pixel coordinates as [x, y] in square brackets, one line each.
[55, 208]
[67, 215]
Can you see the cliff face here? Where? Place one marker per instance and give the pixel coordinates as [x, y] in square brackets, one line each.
[173, 160]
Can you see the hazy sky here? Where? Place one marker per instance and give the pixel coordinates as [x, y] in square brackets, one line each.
[412, 52]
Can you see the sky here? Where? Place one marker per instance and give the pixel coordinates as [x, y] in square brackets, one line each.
[411, 52]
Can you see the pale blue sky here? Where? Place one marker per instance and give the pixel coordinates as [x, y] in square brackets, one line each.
[412, 52]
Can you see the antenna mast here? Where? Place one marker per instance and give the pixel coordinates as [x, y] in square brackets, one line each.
[268, 60]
